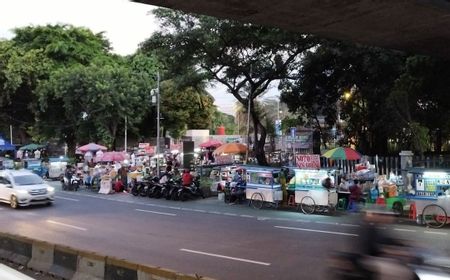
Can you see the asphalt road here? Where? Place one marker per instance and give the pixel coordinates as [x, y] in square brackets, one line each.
[206, 237]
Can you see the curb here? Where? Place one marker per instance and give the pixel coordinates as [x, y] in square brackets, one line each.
[67, 263]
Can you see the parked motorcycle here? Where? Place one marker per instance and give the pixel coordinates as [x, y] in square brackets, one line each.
[71, 182]
[192, 191]
[155, 188]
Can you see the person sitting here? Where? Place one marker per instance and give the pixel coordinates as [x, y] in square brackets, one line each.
[118, 186]
[186, 178]
[328, 184]
[237, 192]
[356, 193]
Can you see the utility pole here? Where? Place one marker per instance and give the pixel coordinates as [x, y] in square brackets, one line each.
[10, 135]
[157, 124]
[248, 129]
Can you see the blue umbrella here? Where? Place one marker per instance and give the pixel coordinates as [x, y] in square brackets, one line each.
[6, 146]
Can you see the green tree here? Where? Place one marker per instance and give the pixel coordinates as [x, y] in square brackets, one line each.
[31, 57]
[20, 72]
[95, 100]
[245, 58]
[186, 108]
[420, 100]
[334, 68]
[226, 120]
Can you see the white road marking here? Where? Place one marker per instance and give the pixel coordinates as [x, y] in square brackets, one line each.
[66, 198]
[350, 225]
[155, 212]
[246, 216]
[66, 225]
[229, 214]
[326, 223]
[404, 229]
[436, 232]
[225, 257]
[320, 231]
[199, 210]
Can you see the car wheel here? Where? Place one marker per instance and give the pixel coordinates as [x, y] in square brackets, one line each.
[13, 202]
[50, 203]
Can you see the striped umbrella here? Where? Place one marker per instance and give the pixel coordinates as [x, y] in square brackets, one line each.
[342, 153]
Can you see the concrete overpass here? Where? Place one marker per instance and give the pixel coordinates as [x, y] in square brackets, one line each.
[421, 26]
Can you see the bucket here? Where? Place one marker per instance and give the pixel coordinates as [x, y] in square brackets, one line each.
[221, 196]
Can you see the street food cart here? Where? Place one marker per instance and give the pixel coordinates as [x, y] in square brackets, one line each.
[263, 186]
[428, 191]
[57, 167]
[310, 195]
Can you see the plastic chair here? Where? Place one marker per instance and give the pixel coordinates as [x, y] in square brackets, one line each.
[291, 200]
[412, 211]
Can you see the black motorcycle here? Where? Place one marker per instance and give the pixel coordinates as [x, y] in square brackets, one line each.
[192, 191]
[155, 188]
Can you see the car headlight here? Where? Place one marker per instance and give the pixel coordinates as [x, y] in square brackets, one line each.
[50, 189]
[22, 191]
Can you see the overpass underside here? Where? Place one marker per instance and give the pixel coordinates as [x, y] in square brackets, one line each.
[410, 25]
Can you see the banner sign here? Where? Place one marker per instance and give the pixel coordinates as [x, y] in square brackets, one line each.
[308, 161]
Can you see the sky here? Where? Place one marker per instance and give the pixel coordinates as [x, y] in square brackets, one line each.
[125, 24]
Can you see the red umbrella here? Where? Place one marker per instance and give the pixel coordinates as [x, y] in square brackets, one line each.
[113, 156]
[92, 147]
[211, 144]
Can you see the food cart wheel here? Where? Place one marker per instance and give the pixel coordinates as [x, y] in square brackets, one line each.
[307, 205]
[434, 216]
[257, 200]
[397, 207]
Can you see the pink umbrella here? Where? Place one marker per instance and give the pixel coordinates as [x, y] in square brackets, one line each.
[113, 156]
[92, 147]
[211, 144]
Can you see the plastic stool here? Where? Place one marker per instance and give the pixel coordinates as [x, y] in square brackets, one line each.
[412, 211]
[380, 201]
[291, 200]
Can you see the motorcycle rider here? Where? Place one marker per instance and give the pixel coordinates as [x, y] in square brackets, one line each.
[237, 187]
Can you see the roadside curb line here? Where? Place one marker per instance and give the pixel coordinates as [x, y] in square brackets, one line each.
[66, 262]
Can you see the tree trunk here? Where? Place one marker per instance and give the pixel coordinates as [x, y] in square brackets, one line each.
[71, 144]
[258, 146]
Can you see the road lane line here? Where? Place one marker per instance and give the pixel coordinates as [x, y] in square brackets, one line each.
[229, 214]
[404, 229]
[350, 225]
[225, 257]
[246, 216]
[320, 231]
[199, 210]
[66, 225]
[66, 198]
[436, 232]
[155, 212]
[326, 223]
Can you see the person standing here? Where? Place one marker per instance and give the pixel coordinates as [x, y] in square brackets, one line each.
[37, 154]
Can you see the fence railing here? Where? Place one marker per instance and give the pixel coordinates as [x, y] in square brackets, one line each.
[384, 165]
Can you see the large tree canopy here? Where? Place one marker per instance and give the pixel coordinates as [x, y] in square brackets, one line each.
[352, 81]
[245, 58]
